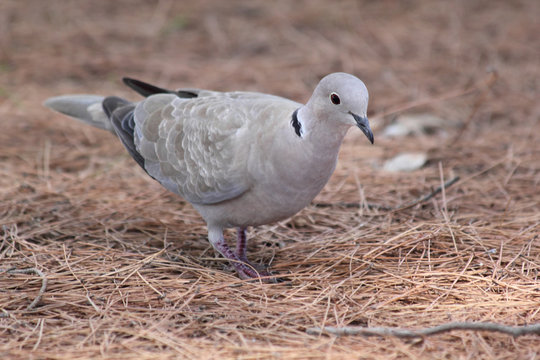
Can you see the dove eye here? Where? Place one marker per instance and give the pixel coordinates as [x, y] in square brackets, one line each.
[335, 99]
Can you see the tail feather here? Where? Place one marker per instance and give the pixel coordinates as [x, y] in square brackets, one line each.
[85, 108]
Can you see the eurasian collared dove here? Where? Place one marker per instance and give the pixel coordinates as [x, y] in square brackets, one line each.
[240, 158]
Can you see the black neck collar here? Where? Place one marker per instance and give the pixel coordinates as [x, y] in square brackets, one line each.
[296, 124]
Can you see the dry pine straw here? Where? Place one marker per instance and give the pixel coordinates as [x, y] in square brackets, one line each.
[129, 268]
[120, 281]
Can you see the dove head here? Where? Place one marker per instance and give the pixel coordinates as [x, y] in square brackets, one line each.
[342, 98]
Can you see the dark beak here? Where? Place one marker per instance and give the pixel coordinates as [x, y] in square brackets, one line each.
[363, 124]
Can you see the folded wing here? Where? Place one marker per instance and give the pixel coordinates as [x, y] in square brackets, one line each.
[190, 147]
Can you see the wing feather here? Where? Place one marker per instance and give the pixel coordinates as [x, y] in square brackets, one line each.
[197, 147]
[189, 148]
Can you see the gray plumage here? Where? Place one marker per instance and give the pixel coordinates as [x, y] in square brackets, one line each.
[240, 158]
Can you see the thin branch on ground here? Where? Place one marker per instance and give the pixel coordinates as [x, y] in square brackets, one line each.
[408, 205]
[515, 331]
[353, 205]
[31, 271]
[428, 196]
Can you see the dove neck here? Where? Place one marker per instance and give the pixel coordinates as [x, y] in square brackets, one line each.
[320, 131]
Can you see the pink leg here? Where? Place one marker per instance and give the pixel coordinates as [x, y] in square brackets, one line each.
[237, 259]
[241, 245]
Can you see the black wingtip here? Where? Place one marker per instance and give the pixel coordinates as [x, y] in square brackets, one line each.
[146, 89]
[143, 88]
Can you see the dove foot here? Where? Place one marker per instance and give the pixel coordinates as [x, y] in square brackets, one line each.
[249, 271]
[238, 258]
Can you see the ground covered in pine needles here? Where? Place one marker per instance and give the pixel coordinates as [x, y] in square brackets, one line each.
[97, 260]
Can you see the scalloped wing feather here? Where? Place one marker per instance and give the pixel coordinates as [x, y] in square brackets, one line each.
[197, 147]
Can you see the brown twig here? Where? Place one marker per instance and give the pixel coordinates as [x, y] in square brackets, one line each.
[428, 196]
[353, 205]
[408, 205]
[515, 331]
[43, 283]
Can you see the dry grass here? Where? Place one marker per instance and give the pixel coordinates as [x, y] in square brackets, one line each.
[130, 273]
